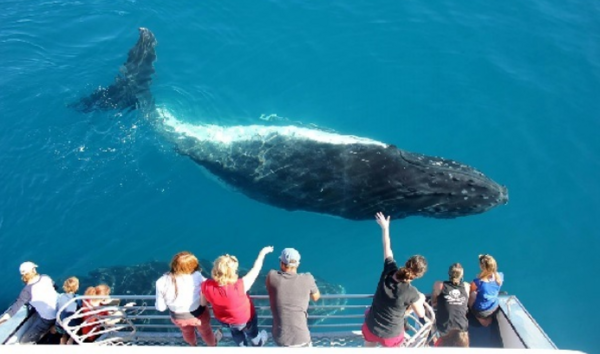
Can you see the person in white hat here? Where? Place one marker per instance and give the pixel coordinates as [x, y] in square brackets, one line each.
[289, 294]
[39, 293]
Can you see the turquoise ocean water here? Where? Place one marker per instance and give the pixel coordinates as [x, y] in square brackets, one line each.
[512, 89]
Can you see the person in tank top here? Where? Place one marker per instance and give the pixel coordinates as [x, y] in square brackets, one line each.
[394, 296]
[483, 298]
[450, 298]
[228, 295]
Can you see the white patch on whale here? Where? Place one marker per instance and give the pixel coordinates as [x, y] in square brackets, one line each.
[227, 135]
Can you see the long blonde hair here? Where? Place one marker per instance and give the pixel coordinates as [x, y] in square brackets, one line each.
[489, 268]
[225, 269]
[183, 263]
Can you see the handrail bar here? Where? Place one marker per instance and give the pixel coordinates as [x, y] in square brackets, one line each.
[118, 323]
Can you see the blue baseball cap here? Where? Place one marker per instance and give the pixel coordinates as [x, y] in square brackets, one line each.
[290, 257]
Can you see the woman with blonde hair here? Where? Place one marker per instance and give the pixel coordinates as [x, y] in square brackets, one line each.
[483, 300]
[228, 295]
[451, 298]
[394, 296]
[179, 292]
[38, 292]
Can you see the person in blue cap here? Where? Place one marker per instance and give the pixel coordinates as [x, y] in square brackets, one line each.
[289, 294]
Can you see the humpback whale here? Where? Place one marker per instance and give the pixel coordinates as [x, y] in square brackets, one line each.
[297, 168]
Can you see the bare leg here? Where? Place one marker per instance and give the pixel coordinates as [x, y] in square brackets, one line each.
[370, 344]
[485, 322]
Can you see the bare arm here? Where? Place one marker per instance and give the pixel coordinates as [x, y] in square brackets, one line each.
[385, 234]
[249, 278]
[467, 288]
[437, 289]
[418, 307]
[315, 296]
[472, 294]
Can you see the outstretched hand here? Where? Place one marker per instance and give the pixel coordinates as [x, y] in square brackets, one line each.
[266, 250]
[382, 220]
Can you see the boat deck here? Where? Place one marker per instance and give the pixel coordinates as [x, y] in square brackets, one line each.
[334, 321]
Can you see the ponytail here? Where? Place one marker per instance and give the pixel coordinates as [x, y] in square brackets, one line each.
[414, 268]
[455, 273]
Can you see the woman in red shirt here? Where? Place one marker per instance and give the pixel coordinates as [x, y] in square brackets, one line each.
[228, 295]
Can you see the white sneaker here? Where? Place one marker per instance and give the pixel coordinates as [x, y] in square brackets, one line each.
[218, 335]
[261, 339]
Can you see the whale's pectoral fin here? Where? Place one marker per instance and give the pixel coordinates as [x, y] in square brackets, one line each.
[131, 89]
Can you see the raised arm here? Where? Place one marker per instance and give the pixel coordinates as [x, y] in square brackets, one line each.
[385, 234]
[249, 278]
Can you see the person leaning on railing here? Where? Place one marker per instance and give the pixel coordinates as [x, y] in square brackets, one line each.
[70, 286]
[451, 298]
[39, 292]
[483, 300]
[179, 292]
[228, 295]
[289, 294]
[394, 297]
[99, 314]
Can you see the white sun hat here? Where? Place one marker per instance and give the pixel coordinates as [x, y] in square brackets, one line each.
[27, 267]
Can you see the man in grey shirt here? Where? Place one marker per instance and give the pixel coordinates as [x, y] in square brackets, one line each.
[289, 294]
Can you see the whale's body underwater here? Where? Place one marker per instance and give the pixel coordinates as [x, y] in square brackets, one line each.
[296, 168]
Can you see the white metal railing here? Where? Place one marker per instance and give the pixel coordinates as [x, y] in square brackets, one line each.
[335, 320]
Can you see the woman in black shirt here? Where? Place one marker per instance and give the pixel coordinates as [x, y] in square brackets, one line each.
[395, 296]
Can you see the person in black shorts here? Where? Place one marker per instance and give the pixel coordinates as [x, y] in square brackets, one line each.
[394, 297]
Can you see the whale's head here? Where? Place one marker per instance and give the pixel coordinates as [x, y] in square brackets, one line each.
[443, 188]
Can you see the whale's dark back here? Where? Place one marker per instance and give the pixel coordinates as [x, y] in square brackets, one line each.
[353, 181]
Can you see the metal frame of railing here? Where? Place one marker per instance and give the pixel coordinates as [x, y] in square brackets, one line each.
[333, 316]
